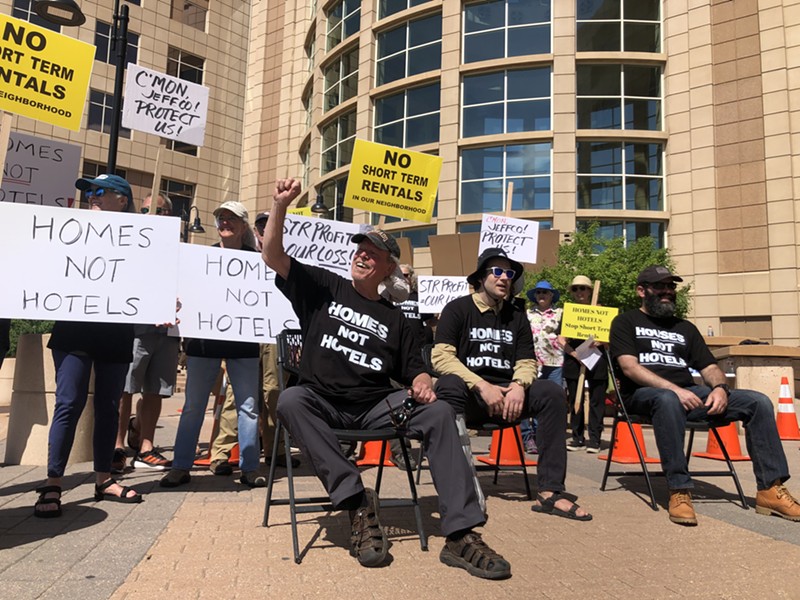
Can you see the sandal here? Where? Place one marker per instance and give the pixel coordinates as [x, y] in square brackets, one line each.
[99, 494]
[548, 506]
[471, 553]
[43, 491]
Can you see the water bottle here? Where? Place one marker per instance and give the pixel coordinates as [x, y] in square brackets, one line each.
[710, 332]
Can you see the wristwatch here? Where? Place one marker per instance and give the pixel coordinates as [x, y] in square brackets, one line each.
[723, 386]
[520, 383]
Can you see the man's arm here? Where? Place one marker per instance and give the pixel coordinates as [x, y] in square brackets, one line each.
[646, 378]
[445, 362]
[717, 400]
[273, 253]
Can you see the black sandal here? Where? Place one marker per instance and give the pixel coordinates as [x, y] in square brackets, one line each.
[548, 506]
[99, 494]
[47, 514]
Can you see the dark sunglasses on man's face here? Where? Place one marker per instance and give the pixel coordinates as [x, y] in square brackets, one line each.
[147, 210]
[661, 286]
[580, 288]
[499, 271]
[99, 192]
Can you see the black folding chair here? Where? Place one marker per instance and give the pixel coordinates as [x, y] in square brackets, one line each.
[290, 347]
[621, 415]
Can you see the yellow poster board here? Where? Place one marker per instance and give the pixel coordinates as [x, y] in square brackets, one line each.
[392, 181]
[305, 211]
[43, 75]
[583, 320]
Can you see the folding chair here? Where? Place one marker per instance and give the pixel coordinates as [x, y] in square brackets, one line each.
[621, 415]
[290, 346]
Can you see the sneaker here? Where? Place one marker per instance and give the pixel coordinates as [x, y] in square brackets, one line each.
[530, 446]
[221, 467]
[681, 510]
[174, 478]
[368, 541]
[152, 460]
[253, 480]
[593, 449]
[575, 445]
[118, 461]
[471, 553]
[779, 502]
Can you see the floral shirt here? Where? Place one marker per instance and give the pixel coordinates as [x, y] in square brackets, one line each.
[545, 327]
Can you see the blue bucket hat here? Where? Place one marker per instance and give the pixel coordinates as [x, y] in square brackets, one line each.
[107, 181]
[543, 285]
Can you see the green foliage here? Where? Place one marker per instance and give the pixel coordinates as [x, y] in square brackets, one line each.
[19, 328]
[610, 262]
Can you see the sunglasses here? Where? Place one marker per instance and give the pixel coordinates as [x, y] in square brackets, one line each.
[580, 288]
[661, 286]
[499, 271]
[100, 192]
[401, 416]
[147, 210]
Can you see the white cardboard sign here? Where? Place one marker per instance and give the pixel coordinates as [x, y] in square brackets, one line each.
[165, 105]
[321, 242]
[40, 171]
[518, 237]
[435, 291]
[81, 265]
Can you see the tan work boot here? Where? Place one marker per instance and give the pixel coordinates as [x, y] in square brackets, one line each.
[779, 502]
[681, 510]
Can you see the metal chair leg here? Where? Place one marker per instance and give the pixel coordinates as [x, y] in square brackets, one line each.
[423, 540]
[731, 468]
[271, 476]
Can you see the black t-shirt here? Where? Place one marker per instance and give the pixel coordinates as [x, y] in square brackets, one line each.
[488, 344]
[416, 320]
[352, 346]
[103, 342]
[668, 347]
[572, 366]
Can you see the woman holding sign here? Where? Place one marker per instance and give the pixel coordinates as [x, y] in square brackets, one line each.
[78, 348]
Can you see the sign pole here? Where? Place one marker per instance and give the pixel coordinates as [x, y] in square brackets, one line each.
[5, 132]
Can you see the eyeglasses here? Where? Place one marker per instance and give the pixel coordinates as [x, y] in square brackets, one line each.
[499, 271]
[580, 288]
[99, 192]
[660, 286]
[147, 210]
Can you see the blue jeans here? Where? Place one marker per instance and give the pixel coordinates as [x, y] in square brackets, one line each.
[528, 426]
[72, 389]
[669, 418]
[200, 376]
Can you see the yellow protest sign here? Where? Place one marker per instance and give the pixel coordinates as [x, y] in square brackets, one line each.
[392, 181]
[582, 320]
[305, 211]
[43, 75]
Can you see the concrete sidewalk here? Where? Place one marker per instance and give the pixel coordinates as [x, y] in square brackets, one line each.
[206, 540]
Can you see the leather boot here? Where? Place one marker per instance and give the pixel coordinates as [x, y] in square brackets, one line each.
[779, 502]
[681, 510]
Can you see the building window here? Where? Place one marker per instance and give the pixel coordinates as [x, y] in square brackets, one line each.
[181, 147]
[390, 7]
[190, 12]
[341, 79]
[338, 138]
[333, 197]
[185, 66]
[504, 28]
[305, 159]
[506, 102]
[619, 97]
[100, 109]
[308, 105]
[310, 49]
[344, 19]
[630, 231]
[620, 175]
[102, 41]
[486, 173]
[410, 118]
[618, 25]
[24, 11]
[181, 194]
[414, 47]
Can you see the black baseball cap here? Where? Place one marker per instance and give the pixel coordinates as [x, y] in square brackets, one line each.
[381, 239]
[655, 273]
[262, 216]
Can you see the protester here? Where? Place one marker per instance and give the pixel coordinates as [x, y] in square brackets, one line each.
[545, 322]
[204, 358]
[596, 378]
[79, 348]
[655, 351]
[348, 385]
[152, 374]
[484, 353]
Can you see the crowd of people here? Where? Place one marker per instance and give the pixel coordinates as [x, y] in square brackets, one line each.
[494, 361]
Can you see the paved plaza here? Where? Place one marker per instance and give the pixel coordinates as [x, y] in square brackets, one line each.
[205, 540]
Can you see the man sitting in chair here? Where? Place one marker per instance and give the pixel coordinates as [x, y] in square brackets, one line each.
[655, 350]
[355, 341]
[484, 354]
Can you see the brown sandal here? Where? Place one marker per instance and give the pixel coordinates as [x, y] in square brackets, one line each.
[471, 553]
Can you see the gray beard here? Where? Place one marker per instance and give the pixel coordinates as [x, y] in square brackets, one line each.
[656, 308]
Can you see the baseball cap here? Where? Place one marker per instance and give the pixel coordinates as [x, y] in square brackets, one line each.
[655, 273]
[109, 182]
[233, 206]
[262, 216]
[381, 239]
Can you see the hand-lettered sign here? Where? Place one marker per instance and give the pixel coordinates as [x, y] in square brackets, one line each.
[435, 291]
[518, 237]
[321, 242]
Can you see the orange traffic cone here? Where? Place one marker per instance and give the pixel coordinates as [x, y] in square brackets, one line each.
[507, 453]
[787, 418]
[370, 455]
[730, 439]
[624, 447]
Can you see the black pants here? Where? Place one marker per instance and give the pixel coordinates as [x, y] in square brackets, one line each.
[544, 401]
[597, 409]
[5, 342]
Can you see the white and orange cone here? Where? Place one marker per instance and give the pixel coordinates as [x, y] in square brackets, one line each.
[787, 417]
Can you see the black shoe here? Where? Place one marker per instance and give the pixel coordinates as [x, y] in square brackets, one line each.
[576, 445]
[397, 456]
[281, 461]
[471, 553]
[368, 541]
